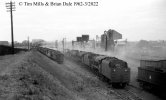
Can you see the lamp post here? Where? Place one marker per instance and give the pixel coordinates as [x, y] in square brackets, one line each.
[10, 8]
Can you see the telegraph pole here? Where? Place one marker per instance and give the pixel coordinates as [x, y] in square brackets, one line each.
[94, 44]
[106, 44]
[56, 44]
[96, 41]
[10, 8]
[72, 44]
[63, 44]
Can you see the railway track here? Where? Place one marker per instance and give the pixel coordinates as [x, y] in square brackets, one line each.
[127, 94]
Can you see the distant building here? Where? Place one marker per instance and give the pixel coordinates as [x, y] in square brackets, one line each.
[4, 43]
[109, 38]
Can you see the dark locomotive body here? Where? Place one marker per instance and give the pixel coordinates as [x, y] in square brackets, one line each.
[152, 74]
[114, 69]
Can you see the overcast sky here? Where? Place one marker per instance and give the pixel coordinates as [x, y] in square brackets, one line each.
[134, 19]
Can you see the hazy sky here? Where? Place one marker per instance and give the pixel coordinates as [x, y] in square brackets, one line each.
[134, 19]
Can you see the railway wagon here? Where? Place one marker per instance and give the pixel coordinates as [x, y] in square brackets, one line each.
[57, 56]
[49, 52]
[81, 55]
[92, 58]
[53, 54]
[74, 53]
[88, 58]
[84, 58]
[42, 50]
[152, 74]
[116, 71]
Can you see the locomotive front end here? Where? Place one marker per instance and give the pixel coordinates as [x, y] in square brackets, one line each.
[116, 70]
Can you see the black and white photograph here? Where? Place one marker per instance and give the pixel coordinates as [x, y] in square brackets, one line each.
[82, 49]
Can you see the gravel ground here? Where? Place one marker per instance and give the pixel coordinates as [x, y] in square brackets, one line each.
[33, 76]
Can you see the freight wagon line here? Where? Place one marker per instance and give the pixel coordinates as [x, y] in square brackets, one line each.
[53, 54]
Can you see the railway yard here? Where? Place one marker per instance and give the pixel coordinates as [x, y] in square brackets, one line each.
[34, 76]
[114, 50]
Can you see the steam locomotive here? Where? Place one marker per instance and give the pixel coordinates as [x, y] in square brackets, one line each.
[112, 68]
